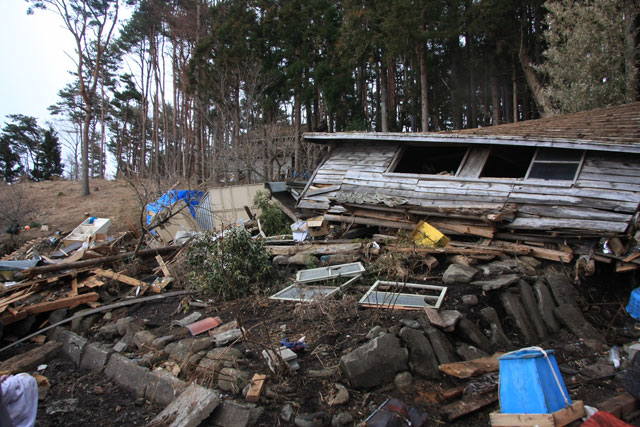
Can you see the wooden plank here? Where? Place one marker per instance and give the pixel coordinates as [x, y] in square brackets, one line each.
[551, 224]
[620, 405]
[315, 249]
[472, 368]
[434, 317]
[30, 360]
[68, 302]
[119, 277]
[74, 287]
[613, 170]
[91, 282]
[559, 418]
[255, 389]
[621, 267]
[163, 266]
[576, 213]
[473, 230]
[584, 183]
[464, 407]
[609, 178]
[578, 192]
[544, 253]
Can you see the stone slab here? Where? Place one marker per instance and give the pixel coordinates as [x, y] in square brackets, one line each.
[529, 300]
[469, 331]
[441, 346]
[72, 346]
[561, 288]
[517, 313]
[546, 306]
[497, 283]
[162, 387]
[189, 409]
[498, 338]
[572, 318]
[127, 374]
[95, 357]
[422, 358]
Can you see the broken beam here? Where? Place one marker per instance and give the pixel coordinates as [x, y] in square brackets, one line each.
[119, 277]
[98, 261]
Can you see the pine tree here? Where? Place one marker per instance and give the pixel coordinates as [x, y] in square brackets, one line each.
[10, 167]
[585, 55]
[48, 162]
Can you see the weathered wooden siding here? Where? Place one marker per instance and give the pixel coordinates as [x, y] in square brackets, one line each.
[603, 199]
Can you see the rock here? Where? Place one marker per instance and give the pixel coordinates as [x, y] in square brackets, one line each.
[323, 373]
[191, 407]
[546, 306]
[403, 379]
[123, 325]
[232, 380]
[286, 413]
[317, 419]
[458, 274]
[561, 288]
[231, 413]
[441, 346]
[281, 260]
[469, 352]
[191, 318]
[341, 397]
[467, 329]
[302, 258]
[410, 323]
[201, 344]
[227, 337]
[341, 419]
[498, 338]
[470, 300]
[529, 300]
[120, 346]
[161, 342]
[376, 331]
[143, 340]
[180, 351]
[422, 359]
[461, 259]
[447, 320]
[517, 313]
[62, 406]
[597, 370]
[108, 332]
[533, 262]
[375, 362]
[572, 318]
[498, 283]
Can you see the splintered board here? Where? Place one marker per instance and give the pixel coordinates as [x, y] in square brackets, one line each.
[389, 295]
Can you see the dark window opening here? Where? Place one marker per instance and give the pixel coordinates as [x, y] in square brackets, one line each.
[556, 164]
[508, 162]
[431, 160]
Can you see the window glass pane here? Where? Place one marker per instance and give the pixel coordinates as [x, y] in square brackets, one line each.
[431, 160]
[559, 154]
[508, 162]
[554, 171]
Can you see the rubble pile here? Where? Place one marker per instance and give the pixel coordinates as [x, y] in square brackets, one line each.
[364, 323]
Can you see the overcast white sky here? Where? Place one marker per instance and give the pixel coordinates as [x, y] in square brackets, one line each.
[34, 60]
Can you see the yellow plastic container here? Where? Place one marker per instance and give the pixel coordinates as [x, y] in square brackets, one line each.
[429, 236]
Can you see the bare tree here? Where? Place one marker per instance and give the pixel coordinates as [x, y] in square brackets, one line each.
[92, 24]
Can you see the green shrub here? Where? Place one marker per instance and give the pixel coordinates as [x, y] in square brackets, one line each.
[230, 266]
[272, 220]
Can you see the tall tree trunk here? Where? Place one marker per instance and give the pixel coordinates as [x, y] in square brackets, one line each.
[85, 151]
[495, 98]
[424, 88]
[102, 127]
[542, 100]
[473, 121]
[384, 99]
[296, 125]
[630, 54]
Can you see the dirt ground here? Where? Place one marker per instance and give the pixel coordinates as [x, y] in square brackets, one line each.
[331, 329]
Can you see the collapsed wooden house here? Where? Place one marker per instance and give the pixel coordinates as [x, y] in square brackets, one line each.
[572, 175]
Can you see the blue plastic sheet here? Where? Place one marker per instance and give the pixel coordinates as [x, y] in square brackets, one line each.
[168, 199]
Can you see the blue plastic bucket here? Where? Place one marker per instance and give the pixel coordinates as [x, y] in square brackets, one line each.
[528, 384]
[633, 308]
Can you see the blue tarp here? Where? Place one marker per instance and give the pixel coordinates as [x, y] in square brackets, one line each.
[191, 197]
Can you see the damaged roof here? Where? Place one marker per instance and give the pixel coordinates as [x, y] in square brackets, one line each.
[615, 128]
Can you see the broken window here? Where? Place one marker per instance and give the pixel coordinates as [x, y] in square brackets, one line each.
[432, 160]
[406, 296]
[556, 164]
[301, 291]
[508, 162]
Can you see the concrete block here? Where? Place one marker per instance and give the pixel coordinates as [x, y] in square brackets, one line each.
[189, 409]
[127, 374]
[73, 346]
[236, 414]
[162, 387]
[95, 357]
